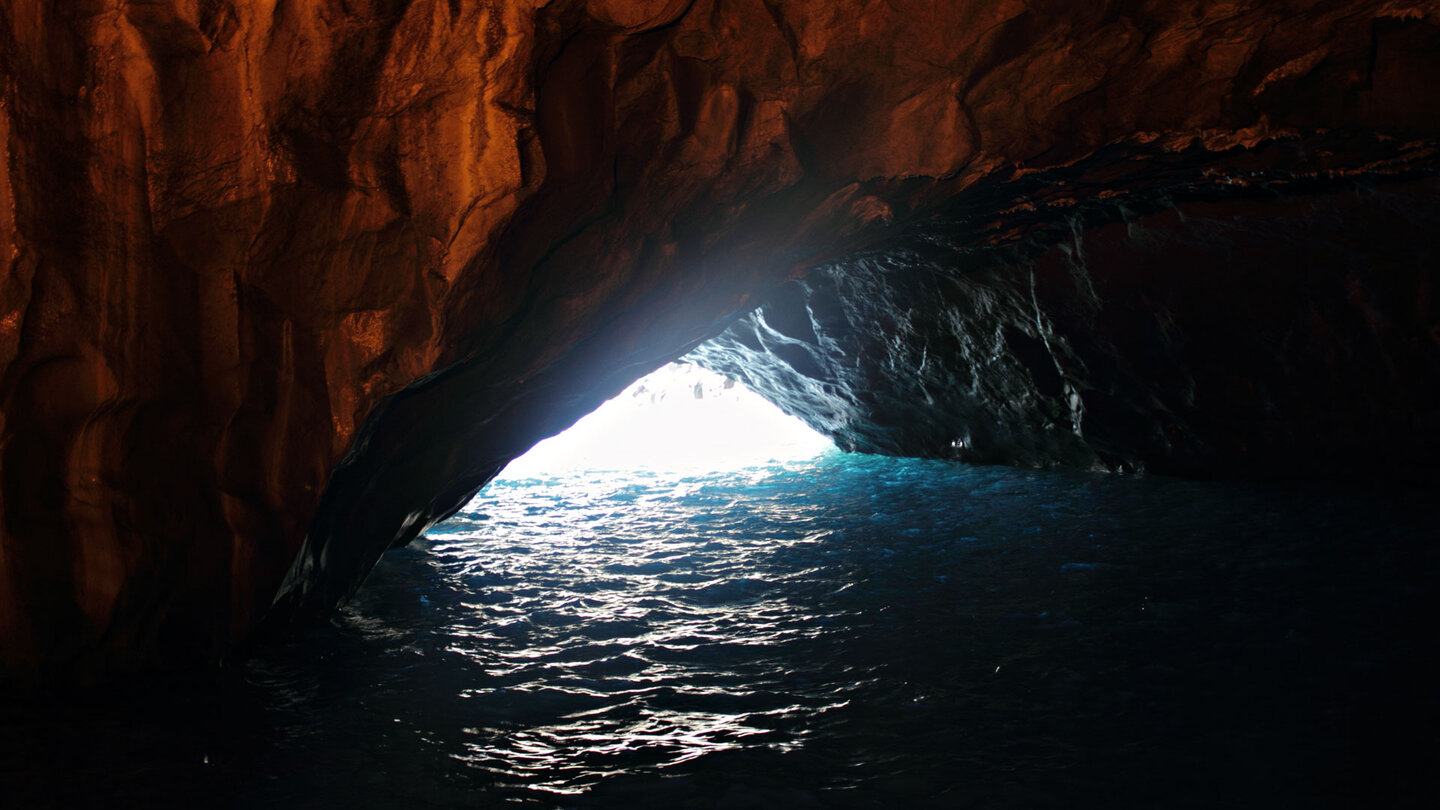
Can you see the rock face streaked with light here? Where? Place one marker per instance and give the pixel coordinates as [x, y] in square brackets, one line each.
[290, 279]
[1259, 336]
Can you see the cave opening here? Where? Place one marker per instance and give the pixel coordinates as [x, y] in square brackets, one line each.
[678, 418]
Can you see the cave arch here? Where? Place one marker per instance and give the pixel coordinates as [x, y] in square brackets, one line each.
[1214, 335]
[282, 289]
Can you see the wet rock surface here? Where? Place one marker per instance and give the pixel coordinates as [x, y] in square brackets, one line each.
[1274, 334]
[283, 284]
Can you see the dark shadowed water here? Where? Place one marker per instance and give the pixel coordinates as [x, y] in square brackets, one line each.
[851, 632]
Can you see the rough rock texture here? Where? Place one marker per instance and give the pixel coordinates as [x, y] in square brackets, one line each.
[1289, 335]
[282, 277]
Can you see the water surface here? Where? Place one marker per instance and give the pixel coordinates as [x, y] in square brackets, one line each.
[849, 631]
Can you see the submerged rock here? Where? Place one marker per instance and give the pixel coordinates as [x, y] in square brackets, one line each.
[281, 285]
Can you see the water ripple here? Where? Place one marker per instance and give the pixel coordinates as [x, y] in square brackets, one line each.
[853, 632]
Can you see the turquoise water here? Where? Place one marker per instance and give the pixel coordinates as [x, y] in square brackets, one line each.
[849, 631]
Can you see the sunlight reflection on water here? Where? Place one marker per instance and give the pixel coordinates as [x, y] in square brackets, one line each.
[639, 616]
[853, 631]
[843, 632]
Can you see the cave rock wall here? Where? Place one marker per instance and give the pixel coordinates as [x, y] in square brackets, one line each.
[1263, 335]
[283, 283]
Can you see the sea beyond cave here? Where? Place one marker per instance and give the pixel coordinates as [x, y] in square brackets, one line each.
[837, 631]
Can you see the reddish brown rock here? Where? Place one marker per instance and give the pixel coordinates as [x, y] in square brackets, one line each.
[275, 270]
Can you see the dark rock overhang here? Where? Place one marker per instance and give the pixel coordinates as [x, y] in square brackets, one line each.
[1288, 334]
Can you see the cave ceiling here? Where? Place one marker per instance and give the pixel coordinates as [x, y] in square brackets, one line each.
[282, 284]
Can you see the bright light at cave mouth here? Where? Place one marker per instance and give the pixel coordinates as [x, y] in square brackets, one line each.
[680, 418]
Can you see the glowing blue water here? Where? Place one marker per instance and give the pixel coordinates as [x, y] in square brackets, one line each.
[859, 632]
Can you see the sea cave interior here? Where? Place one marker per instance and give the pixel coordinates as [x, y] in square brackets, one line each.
[719, 404]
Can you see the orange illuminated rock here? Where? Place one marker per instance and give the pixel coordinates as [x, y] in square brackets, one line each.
[282, 278]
